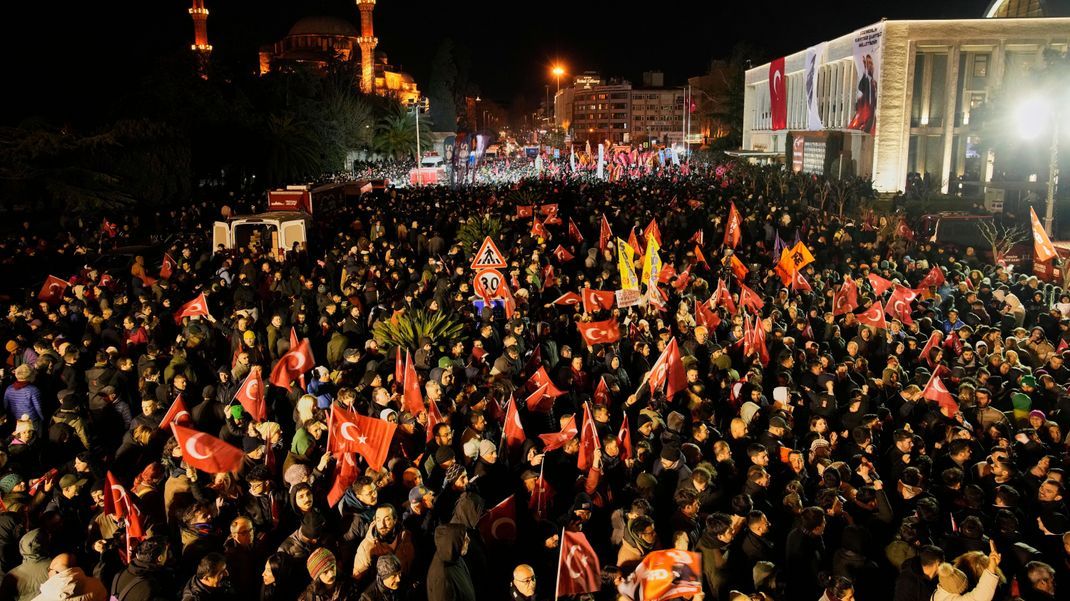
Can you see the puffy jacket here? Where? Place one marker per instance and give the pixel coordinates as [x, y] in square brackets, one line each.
[72, 584]
[23, 398]
[24, 581]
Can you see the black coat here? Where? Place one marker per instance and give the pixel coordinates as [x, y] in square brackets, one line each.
[912, 585]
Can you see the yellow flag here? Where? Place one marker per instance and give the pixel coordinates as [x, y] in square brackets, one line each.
[651, 260]
[626, 264]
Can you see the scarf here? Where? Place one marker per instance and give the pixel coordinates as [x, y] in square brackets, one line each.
[633, 539]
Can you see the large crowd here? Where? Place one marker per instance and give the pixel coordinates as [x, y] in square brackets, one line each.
[790, 440]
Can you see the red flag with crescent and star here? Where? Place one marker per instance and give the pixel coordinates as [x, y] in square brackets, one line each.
[879, 284]
[562, 255]
[898, 305]
[599, 332]
[578, 571]
[935, 390]
[605, 234]
[589, 441]
[293, 365]
[116, 500]
[345, 474]
[167, 268]
[668, 371]
[513, 431]
[177, 414]
[778, 95]
[556, 440]
[52, 290]
[413, 398]
[499, 524]
[367, 436]
[601, 393]
[593, 300]
[624, 439]
[873, 317]
[206, 452]
[194, 308]
[251, 394]
[934, 342]
[845, 300]
[574, 231]
[568, 299]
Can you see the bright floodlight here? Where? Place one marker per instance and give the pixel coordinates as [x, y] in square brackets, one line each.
[558, 71]
[1031, 117]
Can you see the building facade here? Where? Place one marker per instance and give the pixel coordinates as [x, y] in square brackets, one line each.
[316, 42]
[929, 77]
[595, 110]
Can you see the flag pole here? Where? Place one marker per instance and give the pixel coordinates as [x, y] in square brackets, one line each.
[560, 556]
[330, 427]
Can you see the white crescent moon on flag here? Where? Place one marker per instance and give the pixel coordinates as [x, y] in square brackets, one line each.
[178, 416]
[344, 431]
[776, 79]
[498, 523]
[122, 492]
[191, 447]
[568, 562]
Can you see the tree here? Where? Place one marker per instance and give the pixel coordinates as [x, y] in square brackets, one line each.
[395, 134]
[1001, 238]
[442, 85]
[729, 110]
[291, 150]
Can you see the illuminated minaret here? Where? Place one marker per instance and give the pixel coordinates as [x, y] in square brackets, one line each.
[367, 42]
[200, 31]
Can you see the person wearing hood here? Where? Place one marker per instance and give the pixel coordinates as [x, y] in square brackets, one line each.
[639, 539]
[24, 581]
[385, 537]
[448, 578]
[917, 575]
[388, 581]
[68, 582]
[145, 578]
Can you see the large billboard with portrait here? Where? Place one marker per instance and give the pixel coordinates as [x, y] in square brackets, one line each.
[868, 44]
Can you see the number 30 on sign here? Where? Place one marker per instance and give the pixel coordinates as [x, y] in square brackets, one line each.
[488, 283]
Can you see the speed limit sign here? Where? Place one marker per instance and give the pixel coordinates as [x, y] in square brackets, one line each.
[488, 283]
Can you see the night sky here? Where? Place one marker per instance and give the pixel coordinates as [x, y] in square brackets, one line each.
[64, 60]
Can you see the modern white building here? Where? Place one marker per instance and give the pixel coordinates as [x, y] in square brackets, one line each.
[928, 77]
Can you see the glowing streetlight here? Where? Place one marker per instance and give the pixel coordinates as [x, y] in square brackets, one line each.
[1034, 116]
[558, 71]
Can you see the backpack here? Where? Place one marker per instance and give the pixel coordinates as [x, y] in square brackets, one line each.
[121, 596]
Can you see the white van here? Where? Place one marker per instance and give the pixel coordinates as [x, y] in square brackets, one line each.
[277, 230]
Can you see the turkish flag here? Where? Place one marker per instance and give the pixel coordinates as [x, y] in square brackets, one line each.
[52, 291]
[873, 317]
[548, 210]
[434, 417]
[356, 433]
[399, 367]
[682, 280]
[668, 371]
[534, 362]
[722, 297]
[293, 365]
[845, 300]
[562, 255]
[345, 474]
[936, 391]
[733, 229]
[624, 439]
[413, 397]
[569, 299]
[294, 341]
[541, 378]
[754, 340]
[547, 277]
[538, 229]
[556, 440]
[599, 332]
[798, 282]
[499, 524]
[168, 267]
[652, 230]
[667, 273]
[1042, 246]
[898, 304]
[578, 571]
[177, 414]
[589, 441]
[525, 211]
[879, 284]
[698, 238]
[194, 308]
[778, 95]
[206, 452]
[540, 400]
[135, 532]
[605, 234]
[541, 496]
[251, 394]
[704, 316]
[116, 500]
[513, 431]
[634, 243]
[902, 230]
[934, 342]
[594, 300]
[935, 277]
[750, 299]
[601, 393]
[574, 232]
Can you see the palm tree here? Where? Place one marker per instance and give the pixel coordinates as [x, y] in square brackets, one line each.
[395, 134]
[291, 150]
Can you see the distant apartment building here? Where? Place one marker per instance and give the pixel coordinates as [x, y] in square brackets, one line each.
[593, 109]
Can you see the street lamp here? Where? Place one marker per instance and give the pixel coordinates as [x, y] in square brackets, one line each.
[557, 71]
[1032, 117]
